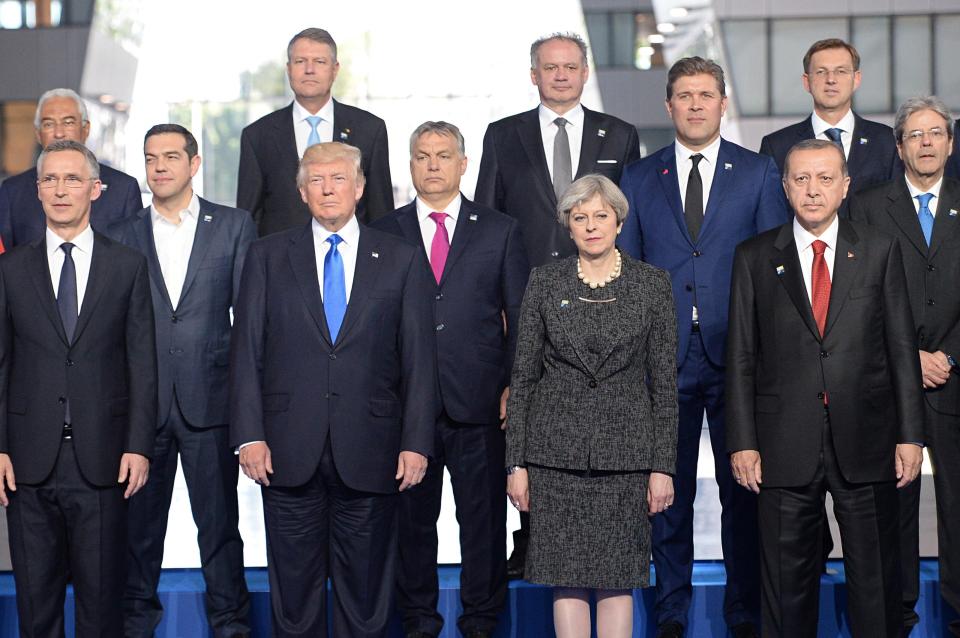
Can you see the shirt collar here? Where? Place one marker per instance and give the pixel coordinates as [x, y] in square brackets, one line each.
[452, 209]
[819, 125]
[710, 153]
[192, 210]
[350, 233]
[804, 237]
[82, 242]
[574, 116]
[934, 190]
[300, 114]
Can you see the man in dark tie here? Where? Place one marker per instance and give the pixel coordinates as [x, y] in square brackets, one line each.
[530, 158]
[195, 251]
[271, 147]
[333, 391]
[479, 269]
[920, 209]
[823, 395]
[62, 115]
[78, 393]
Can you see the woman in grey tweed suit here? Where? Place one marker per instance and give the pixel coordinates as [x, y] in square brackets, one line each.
[592, 416]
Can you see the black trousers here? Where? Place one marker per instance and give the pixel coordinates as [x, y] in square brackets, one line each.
[210, 469]
[474, 456]
[325, 528]
[791, 543]
[67, 526]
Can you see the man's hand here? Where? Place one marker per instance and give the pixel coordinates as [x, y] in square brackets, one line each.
[909, 460]
[256, 462]
[518, 489]
[134, 469]
[659, 492]
[411, 467]
[935, 368]
[6, 479]
[746, 469]
[503, 407]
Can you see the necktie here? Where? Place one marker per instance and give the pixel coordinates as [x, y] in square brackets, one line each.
[693, 204]
[834, 135]
[821, 285]
[334, 288]
[67, 304]
[925, 216]
[562, 167]
[313, 121]
[440, 246]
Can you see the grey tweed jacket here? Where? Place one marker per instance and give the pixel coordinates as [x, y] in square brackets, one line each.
[620, 413]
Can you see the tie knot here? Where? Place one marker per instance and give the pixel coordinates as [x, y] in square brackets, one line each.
[313, 121]
[695, 158]
[67, 247]
[834, 135]
[439, 218]
[819, 247]
[334, 239]
[560, 122]
[924, 200]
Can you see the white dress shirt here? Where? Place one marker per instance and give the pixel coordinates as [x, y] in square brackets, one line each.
[845, 125]
[548, 131]
[934, 190]
[302, 128]
[707, 167]
[82, 253]
[174, 242]
[428, 227]
[350, 234]
[804, 240]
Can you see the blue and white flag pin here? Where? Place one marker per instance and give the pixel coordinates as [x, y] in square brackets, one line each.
[601, 133]
[727, 166]
[953, 212]
[375, 255]
[850, 255]
[564, 303]
[780, 270]
[473, 217]
[864, 140]
[208, 218]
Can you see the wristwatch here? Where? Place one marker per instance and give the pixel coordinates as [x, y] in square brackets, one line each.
[514, 468]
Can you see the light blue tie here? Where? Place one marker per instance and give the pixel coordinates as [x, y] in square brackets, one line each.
[925, 216]
[313, 121]
[334, 288]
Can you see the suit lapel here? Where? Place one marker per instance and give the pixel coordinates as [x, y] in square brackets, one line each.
[805, 130]
[462, 234]
[786, 264]
[207, 222]
[96, 282]
[900, 208]
[303, 262]
[364, 276]
[590, 143]
[846, 262]
[40, 274]
[410, 224]
[945, 223]
[723, 174]
[285, 138]
[670, 183]
[857, 154]
[528, 131]
[143, 236]
[563, 305]
[343, 126]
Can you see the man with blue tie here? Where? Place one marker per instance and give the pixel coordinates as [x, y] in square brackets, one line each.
[691, 203]
[333, 391]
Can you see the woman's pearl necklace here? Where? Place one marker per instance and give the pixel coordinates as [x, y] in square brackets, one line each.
[600, 284]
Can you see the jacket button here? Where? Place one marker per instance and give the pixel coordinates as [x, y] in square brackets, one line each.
[824, 354]
[69, 362]
[62, 400]
[697, 253]
[931, 302]
[554, 254]
[688, 288]
[820, 395]
[439, 327]
[439, 297]
[931, 267]
[174, 319]
[332, 356]
[593, 383]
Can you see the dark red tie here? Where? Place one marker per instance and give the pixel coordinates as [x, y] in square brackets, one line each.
[821, 285]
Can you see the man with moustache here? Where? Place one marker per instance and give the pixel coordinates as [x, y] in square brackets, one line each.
[195, 251]
[920, 209]
[271, 147]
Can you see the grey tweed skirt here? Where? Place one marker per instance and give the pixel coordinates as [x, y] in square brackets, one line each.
[588, 531]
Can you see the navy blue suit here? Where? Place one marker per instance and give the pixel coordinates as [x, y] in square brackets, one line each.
[953, 163]
[482, 285]
[746, 197]
[193, 352]
[21, 214]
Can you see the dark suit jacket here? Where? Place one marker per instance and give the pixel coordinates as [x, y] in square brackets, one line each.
[933, 275]
[778, 366]
[372, 392]
[873, 153]
[483, 280]
[953, 164]
[109, 373]
[21, 214]
[746, 198]
[618, 415]
[193, 341]
[267, 182]
[514, 178]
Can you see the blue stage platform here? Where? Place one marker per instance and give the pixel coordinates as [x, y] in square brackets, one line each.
[529, 606]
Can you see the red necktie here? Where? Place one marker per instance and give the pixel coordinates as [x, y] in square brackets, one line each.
[440, 246]
[821, 285]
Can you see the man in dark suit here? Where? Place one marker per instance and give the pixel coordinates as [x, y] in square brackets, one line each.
[479, 272]
[529, 159]
[195, 251]
[333, 393]
[822, 395]
[61, 115]
[691, 203]
[78, 394]
[953, 163]
[920, 209]
[831, 74]
[271, 147]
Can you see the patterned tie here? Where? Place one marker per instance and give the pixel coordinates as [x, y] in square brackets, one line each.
[693, 203]
[821, 285]
[925, 216]
[68, 305]
[313, 121]
[834, 135]
[562, 167]
[440, 247]
[334, 288]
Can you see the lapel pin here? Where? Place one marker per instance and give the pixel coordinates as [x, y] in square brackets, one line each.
[601, 133]
[864, 140]
[375, 255]
[345, 134]
[953, 212]
[727, 166]
[564, 303]
[850, 255]
[665, 171]
[473, 217]
[208, 218]
[780, 270]
[103, 186]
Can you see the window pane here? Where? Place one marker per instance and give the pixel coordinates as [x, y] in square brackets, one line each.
[746, 49]
[11, 14]
[947, 82]
[791, 39]
[623, 39]
[871, 36]
[911, 62]
[598, 28]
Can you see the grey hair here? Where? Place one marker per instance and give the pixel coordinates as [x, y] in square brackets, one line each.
[321, 36]
[438, 128]
[584, 189]
[566, 36]
[813, 144]
[67, 93]
[921, 103]
[69, 145]
[326, 152]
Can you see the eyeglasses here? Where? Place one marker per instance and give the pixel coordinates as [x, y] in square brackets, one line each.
[936, 134]
[841, 73]
[70, 181]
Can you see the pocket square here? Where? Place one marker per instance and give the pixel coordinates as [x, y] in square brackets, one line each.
[606, 161]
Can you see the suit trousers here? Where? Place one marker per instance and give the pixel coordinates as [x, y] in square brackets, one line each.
[210, 470]
[700, 387]
[66, 527]
[791, 540]
[325, 528]
[474, 456]
[943, 438]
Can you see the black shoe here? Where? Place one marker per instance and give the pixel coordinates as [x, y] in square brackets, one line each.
[418, 634]
[671, 629]
[477, 633]
[518, 558]
[744, 630]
